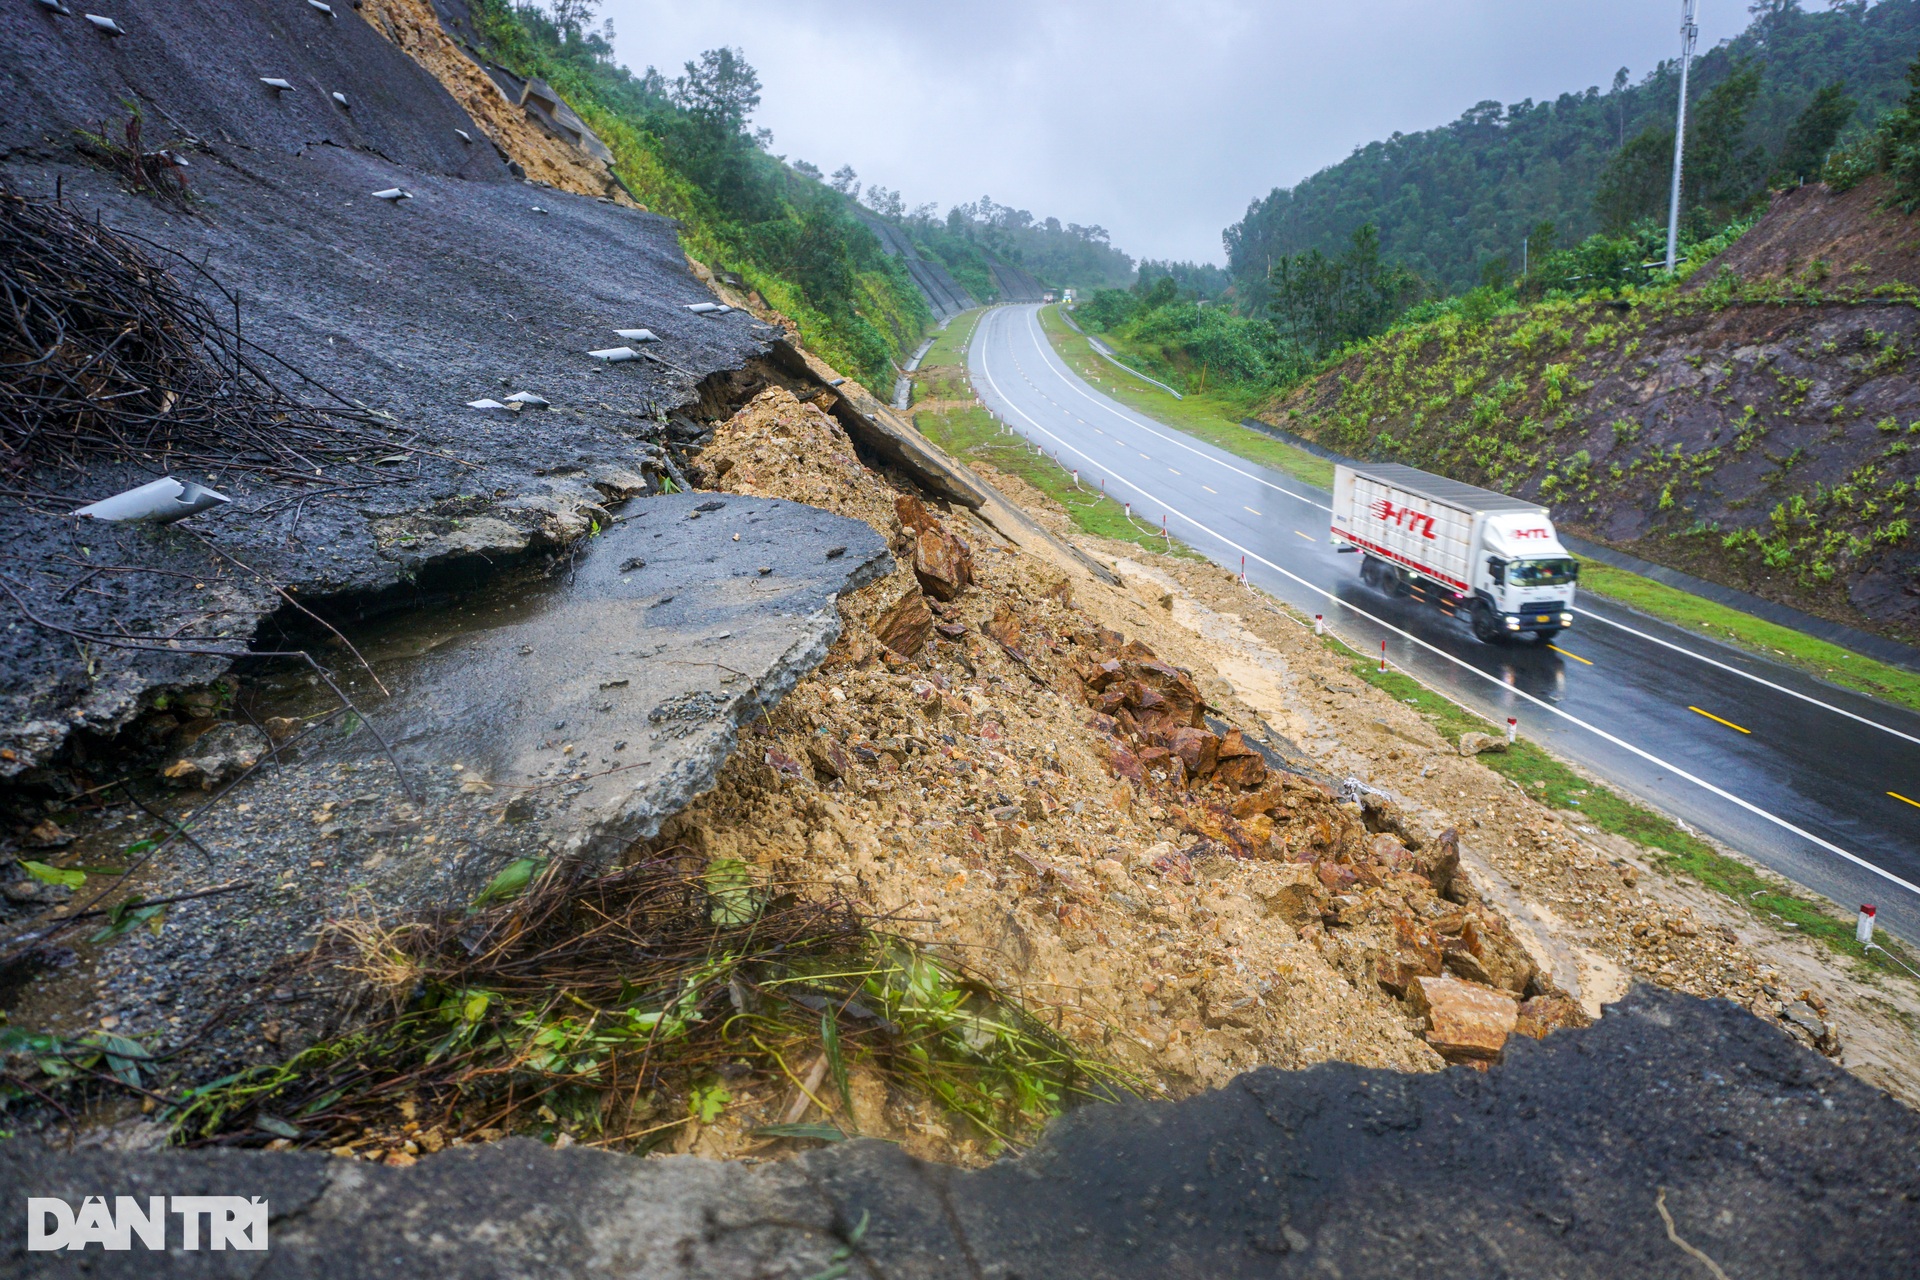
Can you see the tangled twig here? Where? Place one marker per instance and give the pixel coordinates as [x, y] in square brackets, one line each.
[104, 353]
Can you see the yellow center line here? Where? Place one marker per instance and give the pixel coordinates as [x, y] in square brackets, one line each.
[1250, 509]
[1309, 537]
[1897, 796]
[1717, 720]
[1576, 657]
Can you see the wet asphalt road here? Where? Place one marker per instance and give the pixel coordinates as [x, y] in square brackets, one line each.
[1806, 778]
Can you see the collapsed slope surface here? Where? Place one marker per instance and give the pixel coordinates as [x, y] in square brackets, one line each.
[477, 286]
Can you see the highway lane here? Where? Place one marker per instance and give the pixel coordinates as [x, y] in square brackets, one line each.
[1819, 783]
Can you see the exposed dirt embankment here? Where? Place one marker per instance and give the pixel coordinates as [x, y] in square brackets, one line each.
[416, 29]
[1756, 428]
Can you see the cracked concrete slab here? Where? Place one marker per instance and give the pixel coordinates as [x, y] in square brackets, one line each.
[1767, 1158]
[608, 696]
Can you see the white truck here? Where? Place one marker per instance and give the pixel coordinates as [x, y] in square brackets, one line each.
[1476, 554]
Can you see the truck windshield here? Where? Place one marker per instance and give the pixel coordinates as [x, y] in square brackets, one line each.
[1543, 573]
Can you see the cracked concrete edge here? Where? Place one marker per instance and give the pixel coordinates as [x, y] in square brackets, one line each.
[641, 816]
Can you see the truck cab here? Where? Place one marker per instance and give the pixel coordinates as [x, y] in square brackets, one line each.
[1523, 579]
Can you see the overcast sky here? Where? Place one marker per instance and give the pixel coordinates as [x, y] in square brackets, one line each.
[1158, 121]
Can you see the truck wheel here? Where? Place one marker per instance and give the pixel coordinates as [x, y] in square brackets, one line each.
[1371, 573]
[1486, 628]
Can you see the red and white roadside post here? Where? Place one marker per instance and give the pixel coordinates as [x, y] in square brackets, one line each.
[1513, 728]
[1863, 928]
[1319, 624]
[1383, 655]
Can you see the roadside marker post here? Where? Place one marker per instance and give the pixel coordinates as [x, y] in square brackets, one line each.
[1319, 620]
[1513, 728]
[1076, 479]
[1863, 930]
[1383, 655]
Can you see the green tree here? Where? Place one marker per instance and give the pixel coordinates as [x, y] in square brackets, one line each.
[1813, 135]
[1321, 303]
[1899, 142]
[1635, 183]
[1725, 170]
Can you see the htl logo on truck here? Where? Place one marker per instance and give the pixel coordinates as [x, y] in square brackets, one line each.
[1406, 517]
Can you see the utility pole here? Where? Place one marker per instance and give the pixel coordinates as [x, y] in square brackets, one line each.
[1689, 32]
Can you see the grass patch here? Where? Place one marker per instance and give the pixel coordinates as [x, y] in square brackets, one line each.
[1817, 657]
[1213, 416]
[621, 1007]
[1557, 786]
[950, 344]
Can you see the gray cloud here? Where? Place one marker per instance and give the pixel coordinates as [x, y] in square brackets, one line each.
[1158, 121]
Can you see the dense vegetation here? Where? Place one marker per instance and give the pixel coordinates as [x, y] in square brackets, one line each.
[684, 147]
[1449, 202]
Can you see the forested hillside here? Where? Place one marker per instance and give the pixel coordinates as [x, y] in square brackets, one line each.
[971, 236]
[1756, 425]
[1454, 203]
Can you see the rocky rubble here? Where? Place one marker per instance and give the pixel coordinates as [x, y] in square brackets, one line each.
[1593, 910]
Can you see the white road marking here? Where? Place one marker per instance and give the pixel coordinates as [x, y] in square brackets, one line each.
[1250, 509]
[1541, 703]
[1748, 675]
[1213, 491]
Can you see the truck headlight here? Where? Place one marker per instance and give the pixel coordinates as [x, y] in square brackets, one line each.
[1513, 624]
[1566, 619]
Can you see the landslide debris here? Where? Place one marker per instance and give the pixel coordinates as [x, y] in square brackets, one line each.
[1028, 787]
[1593, 909]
